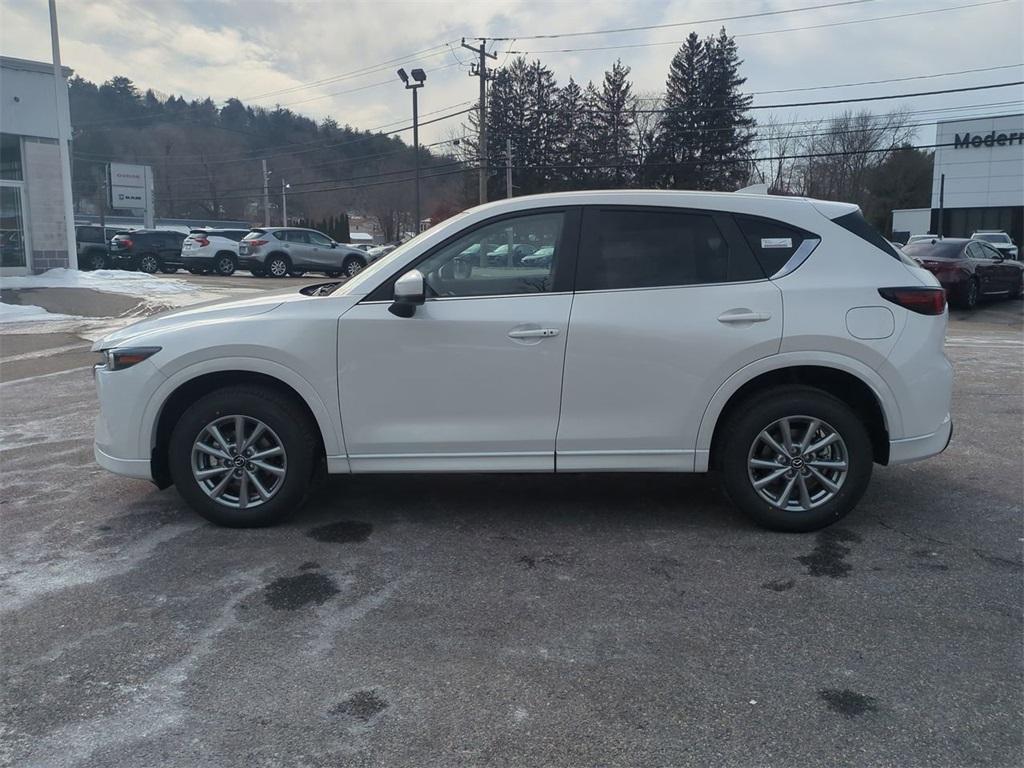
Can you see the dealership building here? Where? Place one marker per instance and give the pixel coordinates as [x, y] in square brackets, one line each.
[978, 181]
[34, 112]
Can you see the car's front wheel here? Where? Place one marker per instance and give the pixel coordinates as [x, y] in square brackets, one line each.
[352, 266]
[795, 459]
[96, 260]
[243, 456]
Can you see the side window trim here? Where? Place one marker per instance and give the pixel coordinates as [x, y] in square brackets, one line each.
[565, 267]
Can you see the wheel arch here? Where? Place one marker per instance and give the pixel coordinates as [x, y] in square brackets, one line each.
[852, 382]
[181, 390]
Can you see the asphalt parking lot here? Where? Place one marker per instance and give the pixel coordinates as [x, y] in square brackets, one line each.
[518, 620]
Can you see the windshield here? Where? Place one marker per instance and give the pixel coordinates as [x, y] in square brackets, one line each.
[993, 237]
[941, 249]
[371, 273]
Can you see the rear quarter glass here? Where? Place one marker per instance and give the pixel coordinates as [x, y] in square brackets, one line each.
[772, 242]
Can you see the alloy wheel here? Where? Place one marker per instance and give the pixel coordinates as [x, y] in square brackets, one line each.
[798, 463]
[353, 268]
[226, 266]
[278, 268]
[149, 264]
[239, 461]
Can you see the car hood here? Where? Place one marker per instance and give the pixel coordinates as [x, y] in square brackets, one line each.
[224, 310]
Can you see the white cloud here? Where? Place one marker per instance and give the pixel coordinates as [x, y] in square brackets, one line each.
[249, 47]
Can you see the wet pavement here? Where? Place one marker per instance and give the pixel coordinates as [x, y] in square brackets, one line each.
[519, 620]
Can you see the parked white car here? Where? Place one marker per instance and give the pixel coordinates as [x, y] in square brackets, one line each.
[212, 250]
[779, 340]
[998, 240]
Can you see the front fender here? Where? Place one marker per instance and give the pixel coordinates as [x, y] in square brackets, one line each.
[883, 393]
[327, 418]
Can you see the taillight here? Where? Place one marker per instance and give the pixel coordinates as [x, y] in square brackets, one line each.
[203, 242]
[257, 242]
[125, 243]
[924, 301]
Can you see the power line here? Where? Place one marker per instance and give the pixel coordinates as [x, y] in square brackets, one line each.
[850, 100]
[772, 31]
[361, 72]
[646, 27]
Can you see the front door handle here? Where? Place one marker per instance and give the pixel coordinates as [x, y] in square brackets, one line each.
[533, 333]
[743, 316]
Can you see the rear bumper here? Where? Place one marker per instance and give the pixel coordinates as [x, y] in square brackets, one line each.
[916, 448]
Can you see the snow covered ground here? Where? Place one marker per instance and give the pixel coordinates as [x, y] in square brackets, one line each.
[155, 294]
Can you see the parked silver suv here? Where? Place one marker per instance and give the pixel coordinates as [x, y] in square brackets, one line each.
[280, 251]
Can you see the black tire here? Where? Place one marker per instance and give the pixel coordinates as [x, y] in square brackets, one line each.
[224, 264]
[257, 272]
[149, 263]
[278, 266]
[94, 260]
[970, 295]
[286, 418]
[763, 410]
[352, 266]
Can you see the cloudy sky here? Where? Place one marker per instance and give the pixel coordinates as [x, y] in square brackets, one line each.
[338, 58]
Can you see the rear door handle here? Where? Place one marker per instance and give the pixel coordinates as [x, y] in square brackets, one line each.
[533, 333]
[743, 316]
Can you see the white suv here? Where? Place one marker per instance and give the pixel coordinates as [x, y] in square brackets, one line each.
[779, 340]
[212, 250]
[998, 240]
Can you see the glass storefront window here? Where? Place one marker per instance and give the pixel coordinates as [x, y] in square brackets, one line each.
[10, 157]
[12, 228]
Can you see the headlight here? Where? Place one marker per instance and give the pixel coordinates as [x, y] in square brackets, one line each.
[118, 359]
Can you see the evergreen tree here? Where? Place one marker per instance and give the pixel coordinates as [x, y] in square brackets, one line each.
[613, 126]
[571, 136]
[682, 120]
[728, 129]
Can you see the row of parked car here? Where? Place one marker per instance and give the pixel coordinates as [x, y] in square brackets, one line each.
[984, 265]
[264, 251]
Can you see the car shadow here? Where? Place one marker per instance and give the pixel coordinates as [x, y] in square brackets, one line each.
[630, 499]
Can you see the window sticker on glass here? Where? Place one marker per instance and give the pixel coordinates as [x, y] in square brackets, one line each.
[776, 242]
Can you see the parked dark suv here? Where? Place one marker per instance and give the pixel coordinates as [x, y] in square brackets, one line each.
[148, 250]
[93, 245]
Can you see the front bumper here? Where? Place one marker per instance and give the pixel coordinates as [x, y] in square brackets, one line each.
[137, 468]
[916, 448]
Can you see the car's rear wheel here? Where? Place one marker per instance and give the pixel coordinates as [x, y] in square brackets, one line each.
[352, 266]
[243, 456]
[277, 266]
[149, 263]
[96, 260]
[795, 459]
[225, 264]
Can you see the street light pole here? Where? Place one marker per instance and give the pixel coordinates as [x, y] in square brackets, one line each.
[418, 77]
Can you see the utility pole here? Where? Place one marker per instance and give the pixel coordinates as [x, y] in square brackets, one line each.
[942, 204]
[60, 96]
[266, 195]
[284, 203]
[480, 70]
[508, 167]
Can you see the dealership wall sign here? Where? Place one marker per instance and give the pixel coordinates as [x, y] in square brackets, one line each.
[990, 139]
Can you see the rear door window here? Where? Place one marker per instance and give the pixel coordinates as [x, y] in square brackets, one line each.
[658, 247]
[772, 242]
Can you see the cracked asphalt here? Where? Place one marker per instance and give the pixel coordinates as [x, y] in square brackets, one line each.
[521, 620]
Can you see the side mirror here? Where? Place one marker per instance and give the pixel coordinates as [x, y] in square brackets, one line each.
[333, 244]
[410, 292]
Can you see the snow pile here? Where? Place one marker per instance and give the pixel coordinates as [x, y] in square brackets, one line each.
[107, 280]
[18, 313]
